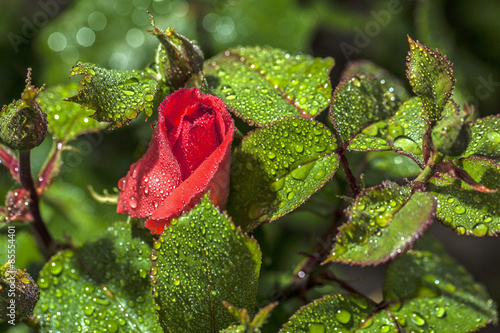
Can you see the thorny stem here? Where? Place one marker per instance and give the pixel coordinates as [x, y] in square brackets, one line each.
[45, 241]
[429, 169]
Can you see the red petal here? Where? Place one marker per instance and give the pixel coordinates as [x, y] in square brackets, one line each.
[149, 180]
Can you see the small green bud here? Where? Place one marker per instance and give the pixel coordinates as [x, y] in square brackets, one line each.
[23, 124]
[19, 293]
[451, 135]
[179, 61]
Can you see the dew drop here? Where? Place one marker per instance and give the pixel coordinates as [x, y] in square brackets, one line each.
[343, 316]
[133, 202]
[88, 310]
[440, 311]
[459, 209]
[417, 319]
[122, 184]
[480, 230]
[56, 266]
[271, 155]
[299, 147]
[277, 185]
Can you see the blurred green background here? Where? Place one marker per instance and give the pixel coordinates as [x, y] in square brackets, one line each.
[51, 35]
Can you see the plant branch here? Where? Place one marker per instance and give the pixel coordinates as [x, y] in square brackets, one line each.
[45, 241]
[349, 175]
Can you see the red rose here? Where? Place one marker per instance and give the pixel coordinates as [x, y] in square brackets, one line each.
[187, 156]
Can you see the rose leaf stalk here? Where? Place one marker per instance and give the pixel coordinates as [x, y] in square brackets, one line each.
[45, 241]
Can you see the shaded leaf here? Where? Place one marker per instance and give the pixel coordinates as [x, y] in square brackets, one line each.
[101, 286]
[200, 261]
[431, 78]
[485, 138]
[359, 101]
[338, 313]
[464, 209]
[116, 96]
[261, 85]
[66, 120]
[383, 222]
[369, 67]
[277, 168]
[428, 292]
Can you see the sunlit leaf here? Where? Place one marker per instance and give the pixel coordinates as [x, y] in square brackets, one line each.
[359, 101]
[431, 78]
[462, 208]
[383, 222]
[116, 96]
[277, 168]
[101, 286]
[261, 85]
[66, 120]
[200, 261]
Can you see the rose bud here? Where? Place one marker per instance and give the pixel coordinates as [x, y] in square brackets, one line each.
[179, 61]
[23, 124]
[189, 154]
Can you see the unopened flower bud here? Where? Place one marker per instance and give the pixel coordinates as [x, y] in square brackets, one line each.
[23, 124]
[179, 61]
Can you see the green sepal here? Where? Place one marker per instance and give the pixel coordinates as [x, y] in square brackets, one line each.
[101, 286]
[263, 84]
[431, 78]
[23, 124]
[178, 61]
[429, 292]
[18, 293]
[277, 167]
[462, 208]
[361, 100]
[383, 222]
[485, 138]
[66, 120]
[200, 260]
[116, 96]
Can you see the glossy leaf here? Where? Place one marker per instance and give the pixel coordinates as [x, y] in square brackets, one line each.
[359, 101]
[277, 168]
[101, 286]
[431, 78]
[337, 313]
[200, 261]
[368, 67]
[430, 292]
[462, 208]
[383, 222]
[116, 96]
[485, 138]
[261, 85]
[66, 120]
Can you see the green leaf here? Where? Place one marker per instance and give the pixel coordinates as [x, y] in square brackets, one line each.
[359, 101]
[485, 138]
[462, 208]
[383, 222]
[277, 167]
[371, 138]
[101, 286]
[429, 292]
[368, 67]
[337, 313]
[66, 120]
[200, 261]
[116, 96]
[261, 85]
[431, 78]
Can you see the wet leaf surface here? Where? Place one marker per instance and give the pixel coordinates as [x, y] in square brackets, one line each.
[262, 84]
[277, 168]
[200, 261]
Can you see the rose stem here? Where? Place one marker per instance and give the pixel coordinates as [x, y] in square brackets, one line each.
[350, 177]
[44, 239]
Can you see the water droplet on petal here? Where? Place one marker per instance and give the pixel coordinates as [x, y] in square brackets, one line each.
[133, 202]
